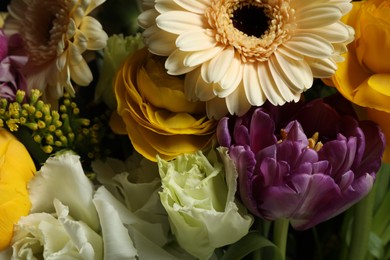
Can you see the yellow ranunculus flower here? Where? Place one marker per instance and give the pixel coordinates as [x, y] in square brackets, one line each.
[16, 170]
[364, 76]
[157, 116]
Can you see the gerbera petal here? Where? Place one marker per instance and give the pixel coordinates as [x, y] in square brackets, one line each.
[159, 42]
[281, 83]
[218, 66]
[195, 41]
[195, 6]
[323, 68]
[198, 57]
[80, 73]
[318, 16]
[92, 29]
[204, 90]
[93, 4]
[175, 63]
[297, 73]
[147, 18]
[251, 81]
[163, 6]
[233, 76]
[78, 67]
[268, 85]
[178, 22]
[310, 45]
[237, 103]
[190, 84]
[335, 32]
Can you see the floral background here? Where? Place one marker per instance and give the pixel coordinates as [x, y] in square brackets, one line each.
[194, 129]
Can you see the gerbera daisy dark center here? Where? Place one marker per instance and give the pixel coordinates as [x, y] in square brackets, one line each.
[251, 20]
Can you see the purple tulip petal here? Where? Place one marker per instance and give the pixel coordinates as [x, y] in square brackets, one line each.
[290, 178]
[245, 164]
[223, 134]
[262, 131]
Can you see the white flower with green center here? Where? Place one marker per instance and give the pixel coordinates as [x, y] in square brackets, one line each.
[199, 197]
[239, 53]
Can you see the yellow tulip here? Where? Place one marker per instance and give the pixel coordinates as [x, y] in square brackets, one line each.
[156, 114]
[364, 76]
[16, 170]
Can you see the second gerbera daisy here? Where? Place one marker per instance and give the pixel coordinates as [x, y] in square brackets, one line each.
[244, 51]
[55, 35]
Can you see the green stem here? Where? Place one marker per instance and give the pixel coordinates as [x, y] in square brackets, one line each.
[280, 235]
[362, 219]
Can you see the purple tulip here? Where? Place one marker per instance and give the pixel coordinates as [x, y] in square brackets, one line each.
[12, 60]
[321, 162]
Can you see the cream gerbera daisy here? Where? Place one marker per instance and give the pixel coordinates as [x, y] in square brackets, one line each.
[55, 34]
[247, 51]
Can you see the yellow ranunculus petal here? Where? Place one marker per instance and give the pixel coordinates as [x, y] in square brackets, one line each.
[374, 92]
[343, 80]
[373, 46]
[16, 170]
[158, 117]
[116, 124]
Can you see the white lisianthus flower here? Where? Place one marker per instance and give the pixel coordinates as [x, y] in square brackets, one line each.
[136, 183]
[199, 196]
[68, 219]
[240, 53]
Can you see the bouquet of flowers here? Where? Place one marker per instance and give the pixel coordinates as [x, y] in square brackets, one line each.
[194, 129]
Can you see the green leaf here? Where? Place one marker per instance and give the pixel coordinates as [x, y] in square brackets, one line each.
[252, 242]
[375, 245]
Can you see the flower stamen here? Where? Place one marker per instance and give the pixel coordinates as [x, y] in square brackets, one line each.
[314, 143]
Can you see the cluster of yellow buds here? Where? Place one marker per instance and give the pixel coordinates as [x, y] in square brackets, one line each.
[53, 130]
